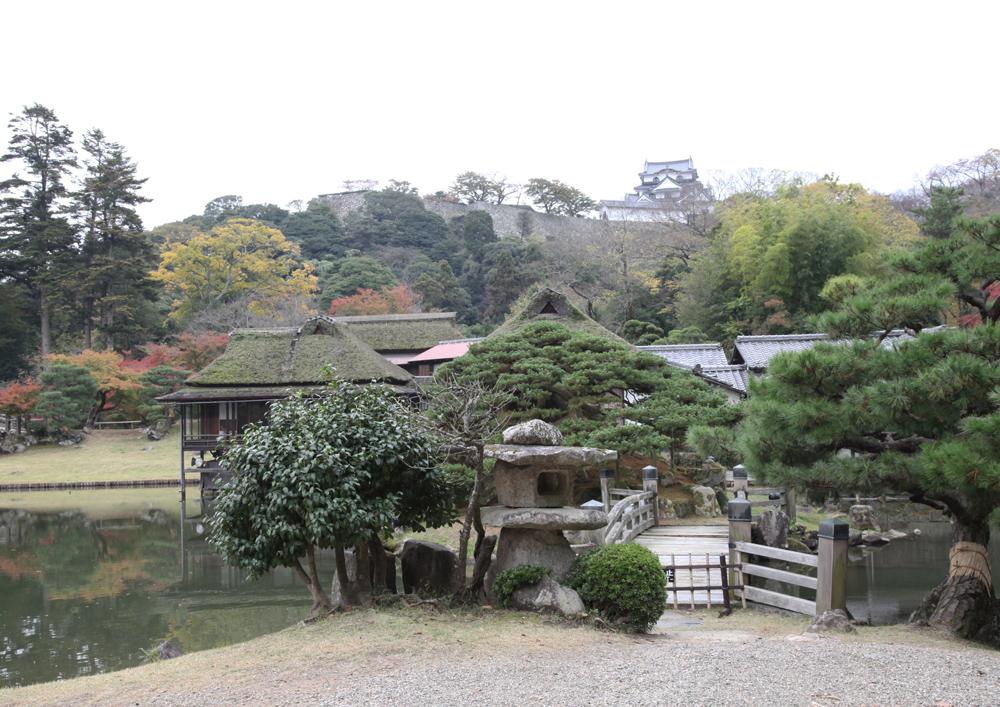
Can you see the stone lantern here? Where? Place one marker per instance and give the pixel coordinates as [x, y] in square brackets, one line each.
[534, 482]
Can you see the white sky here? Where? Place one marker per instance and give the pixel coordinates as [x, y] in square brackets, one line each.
[283, 101]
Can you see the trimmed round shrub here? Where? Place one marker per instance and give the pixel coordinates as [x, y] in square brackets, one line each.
[508, 581]
[625, 583]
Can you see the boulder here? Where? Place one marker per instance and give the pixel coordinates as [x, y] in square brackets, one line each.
[832, 620]
[154, 435]
[705, 503]
[167, 650]
[666, 478]
[337, 601]
[666, 508]
[547, 595]
[863, 518]
[894, 535]
[870, 537]
[533, 432]
[773, 525]
[798, 546]
[428, 566]
[811, 539]
[855, 538]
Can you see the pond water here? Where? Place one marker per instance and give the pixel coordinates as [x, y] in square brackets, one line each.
[886, 584]
[90, 579]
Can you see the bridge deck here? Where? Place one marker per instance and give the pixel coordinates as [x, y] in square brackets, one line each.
[675, 544]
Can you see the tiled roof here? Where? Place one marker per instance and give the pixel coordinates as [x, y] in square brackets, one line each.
[690, 354]
[757, 351]
[733, 376]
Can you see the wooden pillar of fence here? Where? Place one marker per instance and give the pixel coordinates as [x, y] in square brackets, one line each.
[607, 476]
[739, 532]
[650, 482]
[831, 573]
[740, 482]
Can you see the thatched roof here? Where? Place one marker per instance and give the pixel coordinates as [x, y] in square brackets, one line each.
[402, 332]
[296, 357]
[548, 305]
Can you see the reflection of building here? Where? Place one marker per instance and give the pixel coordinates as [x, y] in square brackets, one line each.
[663, 187]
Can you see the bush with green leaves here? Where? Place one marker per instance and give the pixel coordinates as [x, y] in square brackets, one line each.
[625, 583]
[509, 581]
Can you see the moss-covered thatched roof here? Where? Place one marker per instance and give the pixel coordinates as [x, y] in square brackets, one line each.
[548, 305]
[402, 332]
[294, 357]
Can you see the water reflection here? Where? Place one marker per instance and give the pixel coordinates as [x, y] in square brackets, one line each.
[90, 579]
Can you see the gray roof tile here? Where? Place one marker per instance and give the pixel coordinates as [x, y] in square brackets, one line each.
[690, 354]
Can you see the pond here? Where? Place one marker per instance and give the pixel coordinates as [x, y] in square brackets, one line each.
[91, 579]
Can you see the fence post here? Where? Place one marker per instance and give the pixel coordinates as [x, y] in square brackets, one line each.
[649, 483]
[790, 504]
[831, 574]
[607, 476]
[740, 482]
[739, 512]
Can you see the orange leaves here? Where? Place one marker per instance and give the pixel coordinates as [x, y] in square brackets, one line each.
[397, 300]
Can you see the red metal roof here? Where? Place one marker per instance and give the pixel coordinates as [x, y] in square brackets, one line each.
[443, 352]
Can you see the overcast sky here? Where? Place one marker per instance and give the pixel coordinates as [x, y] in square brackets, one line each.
[284, 101]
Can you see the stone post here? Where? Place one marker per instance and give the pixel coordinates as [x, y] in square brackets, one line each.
[831, 574]
[650, 479]
[607, 476]
[740, 482]
[790, 505]
[739, 532]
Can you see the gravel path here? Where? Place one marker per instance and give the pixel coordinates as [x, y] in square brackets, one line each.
[671, 669]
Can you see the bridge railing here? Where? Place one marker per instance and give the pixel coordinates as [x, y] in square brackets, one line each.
[636, 510]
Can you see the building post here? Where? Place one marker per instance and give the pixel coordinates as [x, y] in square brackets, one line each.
[740, 518]
[607, 476]
[831, 573]
[650, 479]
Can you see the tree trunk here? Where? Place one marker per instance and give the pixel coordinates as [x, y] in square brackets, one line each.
[965, 602]
[364, 575]
[348, 589]
[378, 563]
[321, 602]
[46, 329]
[466, 531]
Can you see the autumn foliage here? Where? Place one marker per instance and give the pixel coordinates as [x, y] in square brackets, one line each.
[397, 300]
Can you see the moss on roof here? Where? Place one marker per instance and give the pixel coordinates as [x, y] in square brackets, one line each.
[548, 305]
[403, 332]
[269, 357]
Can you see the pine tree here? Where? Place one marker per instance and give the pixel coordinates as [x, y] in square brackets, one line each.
[477, 231]
[37, 243]
[939, 217]
[117, 254]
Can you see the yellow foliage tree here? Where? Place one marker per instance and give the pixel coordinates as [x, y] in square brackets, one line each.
[239, 259]
[114, 381]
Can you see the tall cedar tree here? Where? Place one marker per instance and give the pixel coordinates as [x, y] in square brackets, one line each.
[939, 217]
[443, 292]
[477, 231]
[117, 254]
[920, 416]
[503, 287]
[36, 242]
[570, 378]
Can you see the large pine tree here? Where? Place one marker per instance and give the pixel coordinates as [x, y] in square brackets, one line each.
[117, 254]
[37, 242]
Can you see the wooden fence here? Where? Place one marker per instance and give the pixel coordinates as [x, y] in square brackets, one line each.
[749, 559]
[695, 574]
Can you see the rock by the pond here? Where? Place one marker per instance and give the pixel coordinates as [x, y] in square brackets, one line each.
[167, 650]
[705, 503]
[773, 526]
[855, 538]
[796, 545]
[534, 432]
[863, 518]
[832, 620]
[547, 595]
[427, 566]
[67, 443]
[811, 539]
[351, 562]
[154, 435]
[870, 537]
[894, 535]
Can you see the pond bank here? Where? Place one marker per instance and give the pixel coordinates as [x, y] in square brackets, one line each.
[475, 656]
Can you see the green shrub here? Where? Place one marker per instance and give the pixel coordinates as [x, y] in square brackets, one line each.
[509, 580]
[625, 583]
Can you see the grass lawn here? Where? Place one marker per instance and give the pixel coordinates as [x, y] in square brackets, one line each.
[110, 455]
